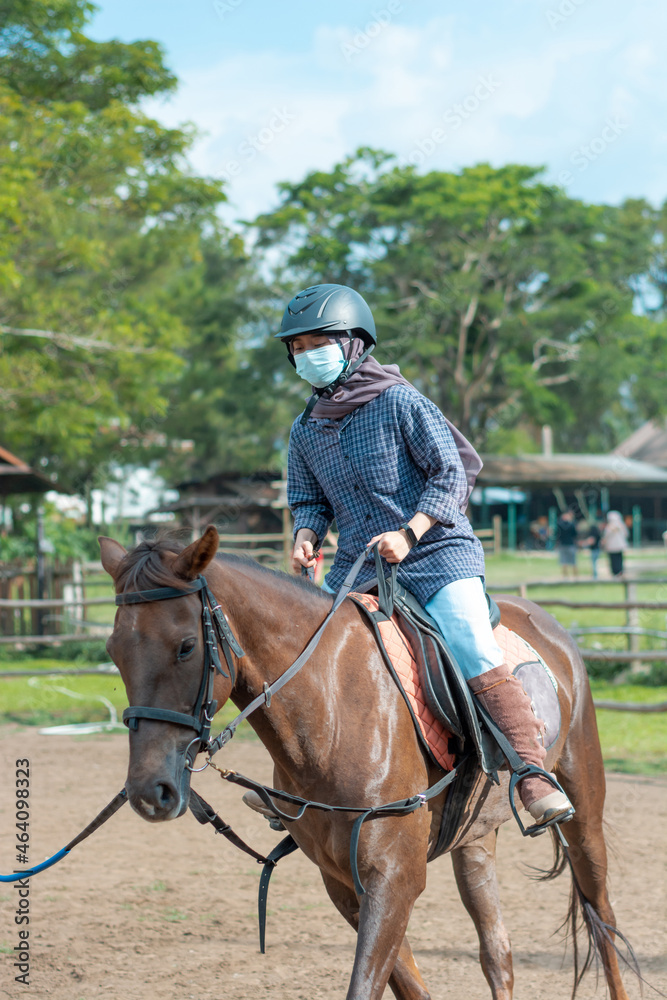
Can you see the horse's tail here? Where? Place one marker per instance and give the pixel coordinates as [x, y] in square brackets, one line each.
[581, 915]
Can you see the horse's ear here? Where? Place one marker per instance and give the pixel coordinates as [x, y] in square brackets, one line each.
[194, 560]
[112, 554]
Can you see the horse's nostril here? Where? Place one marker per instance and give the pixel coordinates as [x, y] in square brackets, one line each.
[166, 796]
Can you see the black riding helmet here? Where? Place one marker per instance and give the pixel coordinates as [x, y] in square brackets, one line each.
[329, 309]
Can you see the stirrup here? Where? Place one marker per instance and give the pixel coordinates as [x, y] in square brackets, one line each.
[534, 831]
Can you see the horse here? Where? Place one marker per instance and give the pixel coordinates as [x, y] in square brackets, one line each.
[340, 732]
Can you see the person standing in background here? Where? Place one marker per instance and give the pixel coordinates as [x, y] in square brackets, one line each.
[592, 543]
[566, 542]
[615, 541]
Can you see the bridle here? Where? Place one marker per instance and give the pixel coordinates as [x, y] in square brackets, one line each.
[216, 630]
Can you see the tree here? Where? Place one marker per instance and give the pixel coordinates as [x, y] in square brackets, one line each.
[99, 214]
[234, 398]
[495, 290]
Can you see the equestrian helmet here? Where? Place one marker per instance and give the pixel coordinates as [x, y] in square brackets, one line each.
[325, 308]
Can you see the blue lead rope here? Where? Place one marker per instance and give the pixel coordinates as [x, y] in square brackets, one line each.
[19, 876]
[108, 811]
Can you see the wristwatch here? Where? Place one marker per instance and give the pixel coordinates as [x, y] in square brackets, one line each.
[412, 538]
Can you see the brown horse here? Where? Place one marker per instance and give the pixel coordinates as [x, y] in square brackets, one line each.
[340, 732]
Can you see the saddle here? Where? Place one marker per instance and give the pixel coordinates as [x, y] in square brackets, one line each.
[473, 738]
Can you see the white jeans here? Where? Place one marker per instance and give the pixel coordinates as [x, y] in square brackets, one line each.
[462, 615]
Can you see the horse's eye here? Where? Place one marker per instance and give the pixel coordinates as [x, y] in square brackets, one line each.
[186, 648]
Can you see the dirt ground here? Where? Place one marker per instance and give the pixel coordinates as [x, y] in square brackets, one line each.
[169, 911]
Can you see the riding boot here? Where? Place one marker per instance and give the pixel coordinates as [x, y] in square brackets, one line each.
[504, 698]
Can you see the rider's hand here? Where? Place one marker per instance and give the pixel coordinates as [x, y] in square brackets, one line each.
[302, 555]
[394, 545]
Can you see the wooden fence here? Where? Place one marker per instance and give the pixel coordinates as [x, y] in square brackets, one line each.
[63, 617]
[21, 612]
[492, 538]
[632, 606]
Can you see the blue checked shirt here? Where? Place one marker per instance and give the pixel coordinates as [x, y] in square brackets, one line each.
[373, 469]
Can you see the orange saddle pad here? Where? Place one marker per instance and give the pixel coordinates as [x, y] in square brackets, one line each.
[400, 653]
[399, 650]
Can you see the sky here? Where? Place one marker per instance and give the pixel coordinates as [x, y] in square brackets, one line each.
[279, 88]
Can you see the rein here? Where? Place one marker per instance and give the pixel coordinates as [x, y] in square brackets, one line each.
[270, 689]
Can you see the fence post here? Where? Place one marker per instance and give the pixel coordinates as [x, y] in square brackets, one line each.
[632, 619]
[553, 527]
[287, 535]
[636, 526]
[40, 568]
[511, 526]
[497, 534]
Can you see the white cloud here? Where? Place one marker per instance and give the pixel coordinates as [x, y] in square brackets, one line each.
[554, 90]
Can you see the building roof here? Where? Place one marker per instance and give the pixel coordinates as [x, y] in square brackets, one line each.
[647, 444]
[240, 491]
[16, 476]
[575, 471]
[530, 472]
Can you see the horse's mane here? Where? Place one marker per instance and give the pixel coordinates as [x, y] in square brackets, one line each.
[143, 568]
[300, 582]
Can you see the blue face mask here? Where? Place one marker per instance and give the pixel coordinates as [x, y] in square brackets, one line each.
[321, 366]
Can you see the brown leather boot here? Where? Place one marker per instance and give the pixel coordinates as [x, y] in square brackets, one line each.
[503, 697]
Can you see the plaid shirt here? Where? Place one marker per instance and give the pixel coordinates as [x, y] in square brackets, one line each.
[373, 469]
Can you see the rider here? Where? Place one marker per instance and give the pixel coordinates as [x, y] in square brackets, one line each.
[379, 457]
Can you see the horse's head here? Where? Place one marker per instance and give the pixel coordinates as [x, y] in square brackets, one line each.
[158, 646]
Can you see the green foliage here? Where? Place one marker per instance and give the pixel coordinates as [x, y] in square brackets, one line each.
[98, 215]
[234, 398]
[47, 58]
[67, 538]
[133, 321]
[506, 301]
[84, 653]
